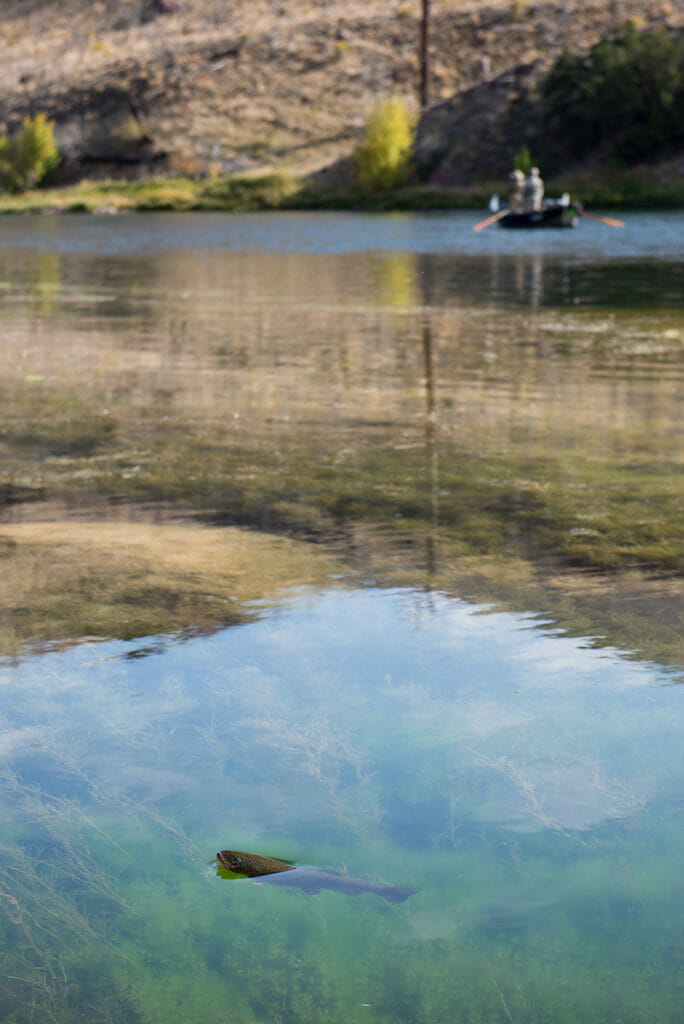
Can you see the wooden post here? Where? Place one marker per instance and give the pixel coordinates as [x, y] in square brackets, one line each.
[424, 54]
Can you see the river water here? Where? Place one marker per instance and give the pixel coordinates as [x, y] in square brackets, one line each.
[354, 541]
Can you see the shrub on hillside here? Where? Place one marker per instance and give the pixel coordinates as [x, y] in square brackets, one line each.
[522, 161]
[628, 92]
[384, 154]
[28, 154]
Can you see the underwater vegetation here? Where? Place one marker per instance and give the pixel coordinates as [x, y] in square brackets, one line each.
[379, 574]
[460, 752]
[525, 454]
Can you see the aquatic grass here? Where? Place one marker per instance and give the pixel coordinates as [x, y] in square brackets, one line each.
[47, 935]
[487, 520]
[66, 913]
[503, 915]
[168, 947]
[425, 755]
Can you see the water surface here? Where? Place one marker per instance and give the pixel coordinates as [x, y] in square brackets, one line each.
[352, 540]
[530, 786]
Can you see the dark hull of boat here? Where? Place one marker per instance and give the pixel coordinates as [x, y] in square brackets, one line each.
[552, 216]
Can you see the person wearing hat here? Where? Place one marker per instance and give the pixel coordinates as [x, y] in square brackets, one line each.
[516, 180]
[533, 190]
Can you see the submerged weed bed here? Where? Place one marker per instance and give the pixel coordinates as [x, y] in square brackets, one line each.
[489, 443]
[438, 419]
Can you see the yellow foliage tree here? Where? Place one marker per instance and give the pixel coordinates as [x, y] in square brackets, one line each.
[28, 154]
[384, 154]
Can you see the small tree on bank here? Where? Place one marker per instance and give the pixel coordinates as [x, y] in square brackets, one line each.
[522, 161]
[384, 154]
[28, 154]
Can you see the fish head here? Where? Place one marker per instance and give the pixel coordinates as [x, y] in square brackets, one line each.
[232, 861]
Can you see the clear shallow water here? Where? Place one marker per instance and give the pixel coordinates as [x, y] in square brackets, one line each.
[528, 784]
[492, 420]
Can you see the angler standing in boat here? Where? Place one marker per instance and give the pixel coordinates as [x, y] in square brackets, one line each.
[533, 190]
[516, 181]
[526, 207]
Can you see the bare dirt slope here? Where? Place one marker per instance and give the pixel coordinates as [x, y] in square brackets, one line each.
[249, 84]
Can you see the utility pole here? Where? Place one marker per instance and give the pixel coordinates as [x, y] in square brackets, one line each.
[424, 54]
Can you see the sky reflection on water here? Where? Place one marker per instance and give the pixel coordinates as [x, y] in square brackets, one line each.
[510, 773]
[465, 692]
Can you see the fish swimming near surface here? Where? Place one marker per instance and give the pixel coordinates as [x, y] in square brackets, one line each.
[251, 864]
[309, 879]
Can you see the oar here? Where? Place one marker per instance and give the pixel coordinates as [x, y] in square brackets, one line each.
[492, 219]
[613, 221]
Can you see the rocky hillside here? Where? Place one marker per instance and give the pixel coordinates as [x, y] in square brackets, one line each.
[151, 86]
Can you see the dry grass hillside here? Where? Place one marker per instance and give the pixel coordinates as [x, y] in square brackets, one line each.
[235, 85]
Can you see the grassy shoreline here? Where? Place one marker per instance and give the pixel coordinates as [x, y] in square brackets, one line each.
[280, 191]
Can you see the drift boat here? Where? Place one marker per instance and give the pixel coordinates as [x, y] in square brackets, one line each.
[554, 213]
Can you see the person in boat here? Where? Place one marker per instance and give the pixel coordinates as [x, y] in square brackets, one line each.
[533, 191]
[516, 181]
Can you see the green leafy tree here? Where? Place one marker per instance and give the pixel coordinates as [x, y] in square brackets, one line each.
[627, 92]
[522, 161]
[28, 154]
[384, 154]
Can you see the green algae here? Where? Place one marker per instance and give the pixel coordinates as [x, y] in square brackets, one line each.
[475, 955]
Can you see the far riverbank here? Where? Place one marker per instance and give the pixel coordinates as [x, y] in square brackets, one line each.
[279, 191]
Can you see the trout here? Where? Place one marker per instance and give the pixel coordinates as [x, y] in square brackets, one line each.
[309, 879]
[250, 864]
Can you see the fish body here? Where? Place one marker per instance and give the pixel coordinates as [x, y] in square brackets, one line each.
[251, 864]
[309, 879]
